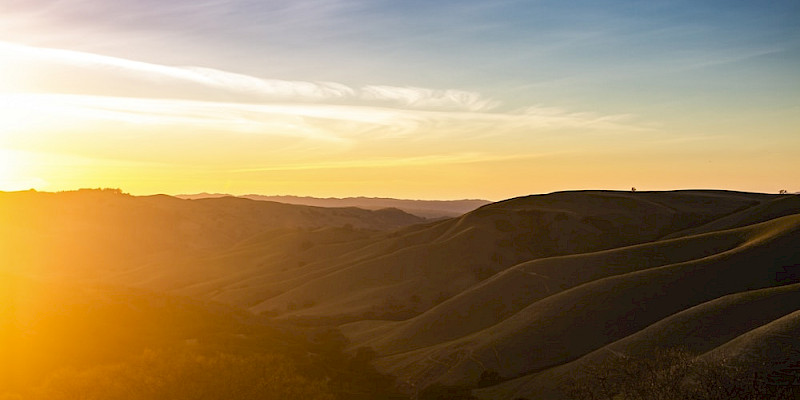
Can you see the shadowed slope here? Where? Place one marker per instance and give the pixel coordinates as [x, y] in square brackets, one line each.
[422, 208]
[525, 286]
[211, 247]
[774, 347]
[567, 325]
[779, 207]
[258, 268]
[703, 328]
[90, 232]
[428, 265]
[507, 292]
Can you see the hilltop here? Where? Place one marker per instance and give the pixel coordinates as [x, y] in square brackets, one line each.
[535, 291]
[106, 230]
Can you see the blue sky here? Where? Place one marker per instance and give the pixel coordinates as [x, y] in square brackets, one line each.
[500, 45]
[720, 75]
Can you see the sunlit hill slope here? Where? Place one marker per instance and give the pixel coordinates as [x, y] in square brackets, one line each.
[537, 289]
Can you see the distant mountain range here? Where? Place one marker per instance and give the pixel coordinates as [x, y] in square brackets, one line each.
[533, 292]
[108, 229]
[423, 208]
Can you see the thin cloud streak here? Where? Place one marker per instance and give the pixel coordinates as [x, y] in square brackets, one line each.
[414, 97]
[329, 122]
[248, 88]
[325, 111]
[272, 125]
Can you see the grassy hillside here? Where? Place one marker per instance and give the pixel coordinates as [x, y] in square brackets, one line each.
[423, 208]
[553, 330]
[89, 232]
[773, 348]
[66, 341]
[509, 291]
[780, 206]
[704, 331]
[525, 297]
[239, 251]
[420, 268]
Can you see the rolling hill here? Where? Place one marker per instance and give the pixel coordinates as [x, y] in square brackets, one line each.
[610, 308]
[424, 265]
[537, 290]
[67, 341]
[101, 231]
[424, 208]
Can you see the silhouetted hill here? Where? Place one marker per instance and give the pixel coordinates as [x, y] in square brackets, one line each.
[421, 267]
[423, 208]
[89, 229]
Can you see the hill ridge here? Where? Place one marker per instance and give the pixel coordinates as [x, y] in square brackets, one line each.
[528, 287]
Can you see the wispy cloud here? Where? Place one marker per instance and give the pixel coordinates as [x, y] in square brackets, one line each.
[199, 83]
[330, 122]
[273, 88]
[428, 98]
[202, 96]
[218, 117]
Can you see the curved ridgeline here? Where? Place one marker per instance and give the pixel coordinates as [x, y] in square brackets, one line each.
[537, 297]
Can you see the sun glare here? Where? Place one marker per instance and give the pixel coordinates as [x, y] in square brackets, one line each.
[26, 114]
[9, 168]
[13, 176]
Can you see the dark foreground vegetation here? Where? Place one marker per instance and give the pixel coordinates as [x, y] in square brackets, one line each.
[185, 375]
[676, 374]
[179, 374]
[66, 341]
[664, 375]
[190, 375]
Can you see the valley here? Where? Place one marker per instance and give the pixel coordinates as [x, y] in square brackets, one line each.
[538, 292]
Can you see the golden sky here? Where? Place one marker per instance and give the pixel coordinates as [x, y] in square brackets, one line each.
[447, 100]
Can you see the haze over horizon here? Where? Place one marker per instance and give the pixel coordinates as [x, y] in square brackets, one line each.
[445, 100]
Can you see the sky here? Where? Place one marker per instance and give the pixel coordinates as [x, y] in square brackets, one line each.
[411, 99]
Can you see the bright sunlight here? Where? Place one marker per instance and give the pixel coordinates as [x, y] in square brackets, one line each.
[13, 171]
